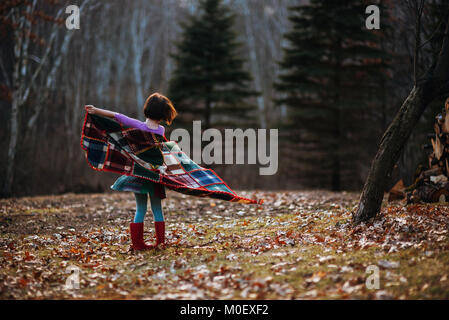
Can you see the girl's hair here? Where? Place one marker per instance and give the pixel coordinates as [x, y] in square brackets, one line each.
[158, 107]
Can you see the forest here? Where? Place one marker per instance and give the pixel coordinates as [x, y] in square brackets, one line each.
[327, 118]
[121, 54]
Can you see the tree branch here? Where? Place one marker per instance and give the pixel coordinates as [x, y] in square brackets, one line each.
[418, 11]
[5, 74]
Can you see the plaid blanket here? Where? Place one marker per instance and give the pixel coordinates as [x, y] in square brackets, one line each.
[110, 146]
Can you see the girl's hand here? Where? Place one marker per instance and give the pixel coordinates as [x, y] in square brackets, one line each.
[90, 109]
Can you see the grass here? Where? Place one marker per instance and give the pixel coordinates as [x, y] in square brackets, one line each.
[299, 245]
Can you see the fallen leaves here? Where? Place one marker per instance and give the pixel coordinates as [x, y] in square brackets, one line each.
[388, 264]
[298, 245]
[316, 277]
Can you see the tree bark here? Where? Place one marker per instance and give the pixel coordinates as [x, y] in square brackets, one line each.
[14, 123]
[388, 154]
[254, 65]
[139, 33]
[17, 89]
[434, 83]
[207, 113]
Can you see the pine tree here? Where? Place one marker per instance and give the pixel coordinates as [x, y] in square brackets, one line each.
[209, 78]
[331, 71]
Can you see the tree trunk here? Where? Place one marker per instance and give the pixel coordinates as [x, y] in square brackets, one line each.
[138, 82]
[139, 31]
[17, 89]
[389, 152]
[434, 82]
[169, 16]
[254, 65]
[12, 146]
[207, 113]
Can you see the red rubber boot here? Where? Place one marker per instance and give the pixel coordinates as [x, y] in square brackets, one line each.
[159, 226]
[136, 230]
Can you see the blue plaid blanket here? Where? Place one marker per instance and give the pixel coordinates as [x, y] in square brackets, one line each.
[110, 146]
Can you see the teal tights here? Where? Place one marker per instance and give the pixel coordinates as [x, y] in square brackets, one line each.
[141, 207]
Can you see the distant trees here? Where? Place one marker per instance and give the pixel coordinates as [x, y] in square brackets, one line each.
[209, 79]
[48, 72]
[122, 51]
[29, 75]
[330, 78]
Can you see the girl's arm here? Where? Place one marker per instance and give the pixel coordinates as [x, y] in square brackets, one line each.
[102, 112]
[121, 118]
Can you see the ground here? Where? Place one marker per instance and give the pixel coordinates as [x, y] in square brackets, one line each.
[297, 245]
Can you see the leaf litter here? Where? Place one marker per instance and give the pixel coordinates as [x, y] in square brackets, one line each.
[298, 245]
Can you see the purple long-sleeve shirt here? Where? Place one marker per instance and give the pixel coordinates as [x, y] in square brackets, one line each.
[134, 123]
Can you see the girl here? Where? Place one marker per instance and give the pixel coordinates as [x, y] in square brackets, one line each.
[157, 108]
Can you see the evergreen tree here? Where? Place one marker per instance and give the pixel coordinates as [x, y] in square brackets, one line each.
[209, 79]
[330, 77]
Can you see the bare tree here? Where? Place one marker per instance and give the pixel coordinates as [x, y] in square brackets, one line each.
[24, 76]
[143, 39]
[433, 83]
[254, 62]
[121, 51]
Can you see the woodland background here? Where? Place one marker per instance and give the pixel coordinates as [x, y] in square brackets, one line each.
[123, 52]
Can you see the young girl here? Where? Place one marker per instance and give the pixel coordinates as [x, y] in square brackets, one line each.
[157, 108]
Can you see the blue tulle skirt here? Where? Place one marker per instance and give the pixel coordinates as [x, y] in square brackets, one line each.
[134, 184]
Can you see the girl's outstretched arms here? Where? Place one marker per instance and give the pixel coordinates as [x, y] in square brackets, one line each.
[102, 112]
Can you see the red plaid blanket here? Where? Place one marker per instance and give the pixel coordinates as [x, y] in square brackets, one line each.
[110, 146]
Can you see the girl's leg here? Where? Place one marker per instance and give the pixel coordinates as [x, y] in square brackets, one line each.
[156, 207]
[141, 207]
[159, 223]
[136, 228]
